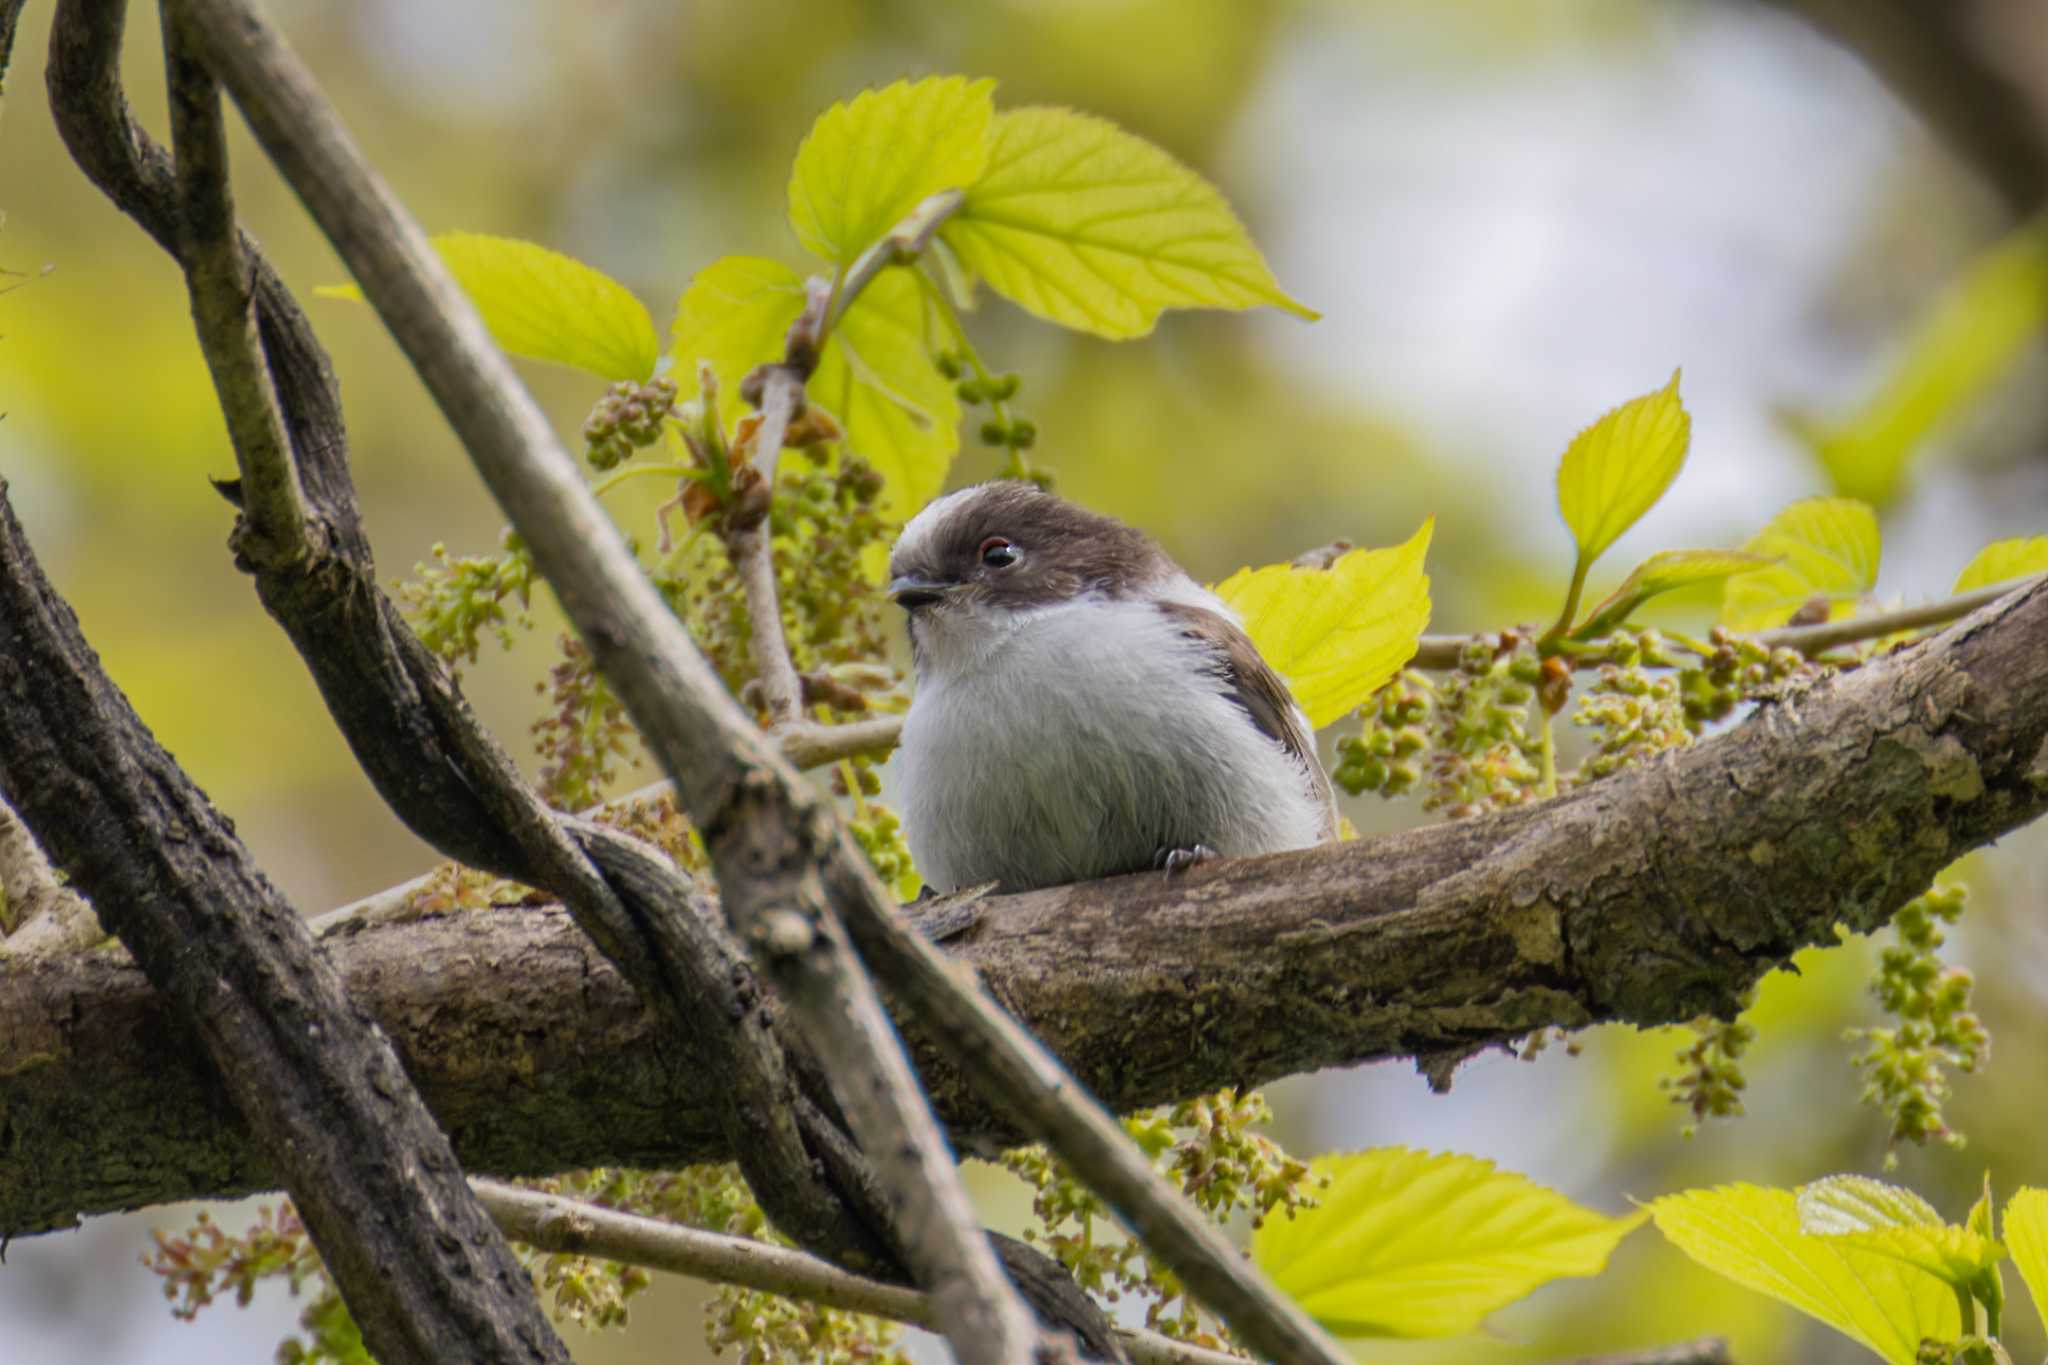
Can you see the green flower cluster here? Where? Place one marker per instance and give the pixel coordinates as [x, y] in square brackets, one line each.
[1208, 1145]
[1905, 1068]
[1485, 751]
[1385, 755]
[1003, 429]
[584, 734]
[1710, 1080]
[1632, 712]
[627, 420]
[205, 1262]
[452, 602]
[826, 530]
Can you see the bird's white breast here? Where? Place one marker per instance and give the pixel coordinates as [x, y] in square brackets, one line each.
[1076, 740]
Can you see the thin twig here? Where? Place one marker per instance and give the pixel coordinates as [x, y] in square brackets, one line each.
[813, 746]
[734, 786]
[901, 245]
[554, 1223]
[218, 279]
[1439, 653]
[752, 551]
[1811, 640]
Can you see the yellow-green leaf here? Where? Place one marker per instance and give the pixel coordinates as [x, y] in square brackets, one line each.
[735, 314]
[2026, 1236]
[1825, 547]
[1968, 341]
[1752, 1236]
[1087, 226]
[875, 377]
[1337, 634]
[1890, 1221]
[898, 412]
[867, 163]
[1418, 1244]
[1660, 573]
[546, 306]
[2002, 561]
[1616, 469]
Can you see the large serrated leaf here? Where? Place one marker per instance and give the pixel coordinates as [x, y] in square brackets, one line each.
[1888, 1220]
[1416, 1244]
[1752, 1236]
[1825, 547]
[2002, 561]
[1663, 572]
[1336, 634]
[868, 162]
[1087, 226]
[1616, 469]
[546, 306]
[2026, 1237]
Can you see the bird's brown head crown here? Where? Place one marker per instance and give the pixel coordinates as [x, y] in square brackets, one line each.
[1011, 544]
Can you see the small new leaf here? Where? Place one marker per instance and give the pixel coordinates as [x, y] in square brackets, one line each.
[546, 306]
[1616, 469]
[1418, 1244]
[1752, 1236]
[2026, 1236]
[1660, 573]
[1086, 226]
[1886, 1220]
[2002, 561]
[867, 163]
[1825, 547]
[1336, 634]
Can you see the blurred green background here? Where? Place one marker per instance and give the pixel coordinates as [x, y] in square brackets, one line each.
[1512, 213]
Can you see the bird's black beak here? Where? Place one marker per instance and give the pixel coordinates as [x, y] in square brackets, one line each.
[912, 592]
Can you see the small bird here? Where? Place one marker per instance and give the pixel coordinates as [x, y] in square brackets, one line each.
[1084, 708]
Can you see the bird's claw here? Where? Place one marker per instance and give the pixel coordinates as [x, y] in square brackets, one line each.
[1173, 861]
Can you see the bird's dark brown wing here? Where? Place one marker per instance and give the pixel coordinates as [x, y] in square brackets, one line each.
[1255, 687]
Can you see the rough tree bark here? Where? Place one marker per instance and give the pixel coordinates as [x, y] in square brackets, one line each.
[1647, 898]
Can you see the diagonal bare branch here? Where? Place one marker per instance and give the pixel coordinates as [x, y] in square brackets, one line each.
[772, 899]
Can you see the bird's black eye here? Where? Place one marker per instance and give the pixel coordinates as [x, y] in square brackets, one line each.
[998, 553]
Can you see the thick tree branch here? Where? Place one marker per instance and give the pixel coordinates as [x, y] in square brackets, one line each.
[1653, 896]
[425, 1273]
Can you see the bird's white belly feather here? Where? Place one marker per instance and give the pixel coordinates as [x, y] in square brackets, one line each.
[1091, 737]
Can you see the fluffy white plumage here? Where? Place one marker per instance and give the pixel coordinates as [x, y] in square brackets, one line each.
[1056, 738]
